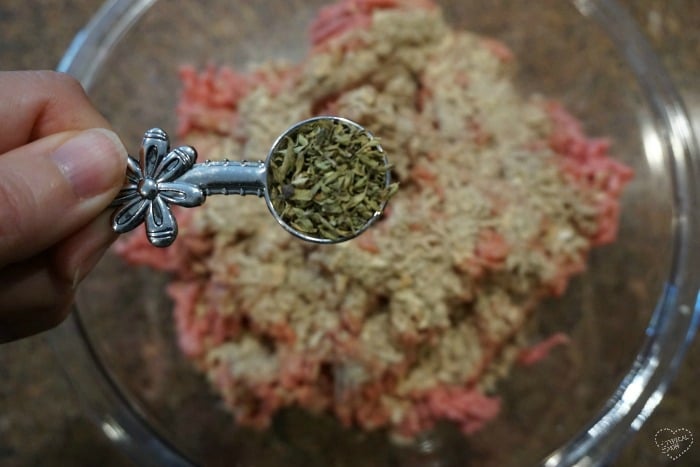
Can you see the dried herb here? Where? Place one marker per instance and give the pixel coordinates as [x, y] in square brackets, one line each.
[328, 179]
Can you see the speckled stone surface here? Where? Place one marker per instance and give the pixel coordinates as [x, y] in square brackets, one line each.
[41, 421]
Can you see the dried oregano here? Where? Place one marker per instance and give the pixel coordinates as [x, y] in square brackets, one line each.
[328, 178]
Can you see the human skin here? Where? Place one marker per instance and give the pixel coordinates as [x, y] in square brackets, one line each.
[60, 167]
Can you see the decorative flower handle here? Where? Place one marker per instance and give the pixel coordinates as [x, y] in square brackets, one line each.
[151, 186]
[163, 176]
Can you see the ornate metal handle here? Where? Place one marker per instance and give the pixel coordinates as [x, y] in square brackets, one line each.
[163, 176]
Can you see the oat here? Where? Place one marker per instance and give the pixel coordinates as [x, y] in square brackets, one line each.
[502, 196]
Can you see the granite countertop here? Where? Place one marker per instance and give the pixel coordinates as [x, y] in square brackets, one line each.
[41, 421]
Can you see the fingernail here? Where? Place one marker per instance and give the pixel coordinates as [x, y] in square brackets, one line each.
[92, 161]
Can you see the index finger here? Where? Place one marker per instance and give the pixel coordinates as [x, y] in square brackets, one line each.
[34, 104]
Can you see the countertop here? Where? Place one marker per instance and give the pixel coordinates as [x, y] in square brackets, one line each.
[41, 421]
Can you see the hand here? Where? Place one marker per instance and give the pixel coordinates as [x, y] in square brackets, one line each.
[59, 169]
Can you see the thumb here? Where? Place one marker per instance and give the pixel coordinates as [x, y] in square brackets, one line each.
[52, 187]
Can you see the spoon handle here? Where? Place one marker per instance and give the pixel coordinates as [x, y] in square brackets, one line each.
[228, 177]
[162, 177]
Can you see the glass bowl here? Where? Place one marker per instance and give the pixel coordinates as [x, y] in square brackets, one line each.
[630, 315]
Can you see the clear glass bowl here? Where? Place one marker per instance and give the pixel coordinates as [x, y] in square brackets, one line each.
[631, 315]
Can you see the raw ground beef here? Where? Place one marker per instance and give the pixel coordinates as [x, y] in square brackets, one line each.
[501, 198]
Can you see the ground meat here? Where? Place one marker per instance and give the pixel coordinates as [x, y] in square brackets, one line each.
[501, 199]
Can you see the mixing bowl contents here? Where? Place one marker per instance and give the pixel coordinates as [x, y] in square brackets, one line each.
[417, 320]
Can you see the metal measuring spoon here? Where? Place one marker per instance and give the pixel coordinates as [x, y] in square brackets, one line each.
[163, 176]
